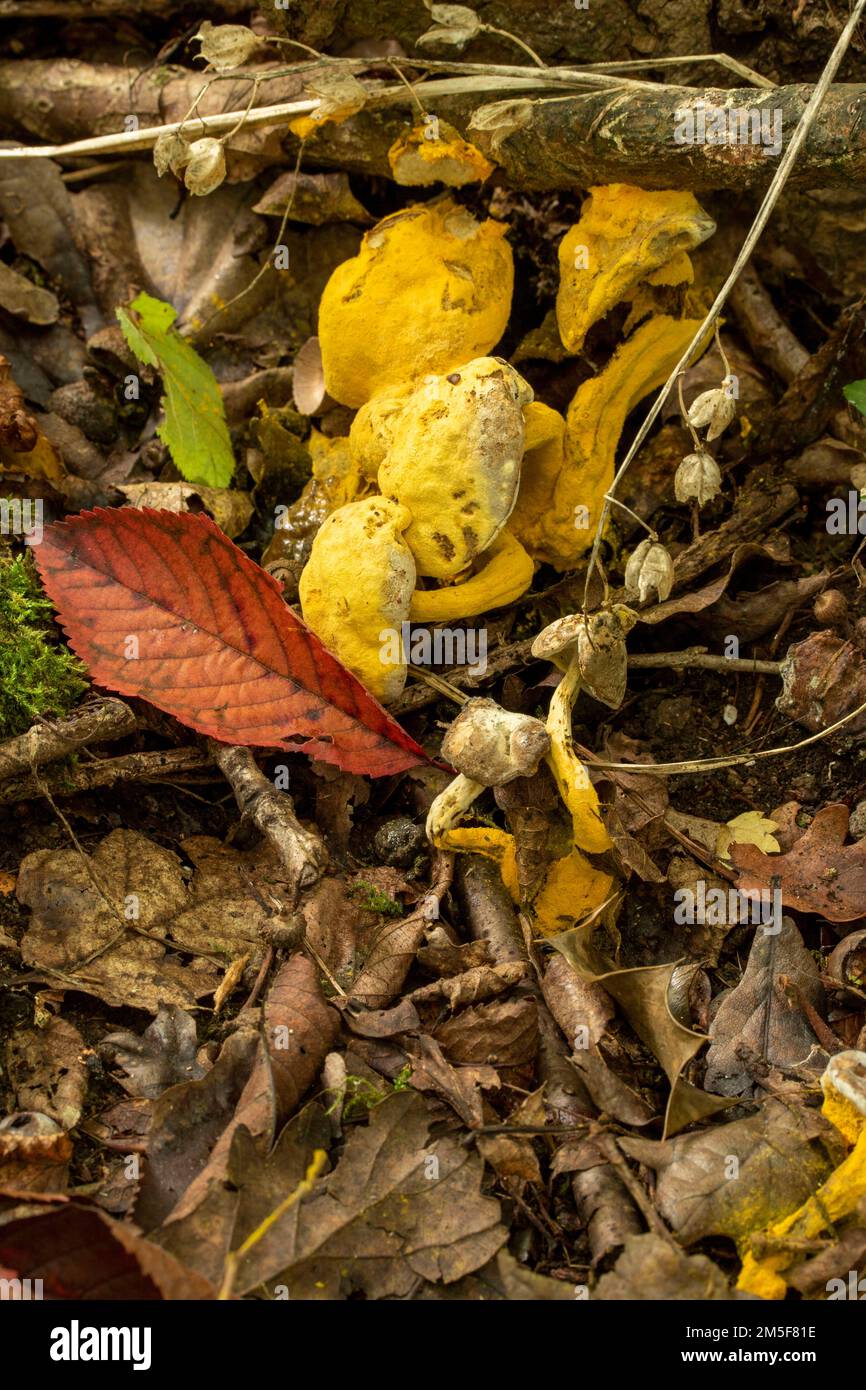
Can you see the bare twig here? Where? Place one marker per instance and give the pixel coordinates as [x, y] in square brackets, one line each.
[302, 852]
[734, 759]
[96, 722]
[163, 765]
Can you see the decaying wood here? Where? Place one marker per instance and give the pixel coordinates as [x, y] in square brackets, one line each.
[558, 141]
[164, 765]
[97, 722]
[771, 340]
[302, 852]
[597, 137]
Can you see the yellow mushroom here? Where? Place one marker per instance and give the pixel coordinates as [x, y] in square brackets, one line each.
[844, 1087]
[335, 481]
[356, 589]
[504, 573]
[558, 506]
[623, 236]
[572, 889]
[372, 429]
[429, 290]
[435, 152]
[487, 746]
[539, 474]
[454, 461]
[567, 643]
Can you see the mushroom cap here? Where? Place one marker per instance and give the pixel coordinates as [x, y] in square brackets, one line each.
[625, 234]
[356, 589]
[308, 380]
[558, 641]
[429, 289]
[492, 745]
[454, 461]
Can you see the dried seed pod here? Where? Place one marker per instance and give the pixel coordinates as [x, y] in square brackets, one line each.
[206, 166]
[713, 410]
[226, 46]
[697, 479]
[831, 609]
[171, 151]
[649, 568]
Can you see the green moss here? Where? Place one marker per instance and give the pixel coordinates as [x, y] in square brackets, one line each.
[38, 676]
[371, 899]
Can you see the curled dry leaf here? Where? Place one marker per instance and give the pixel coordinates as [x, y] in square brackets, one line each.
[46, 1067]
[162, 1056]
[756, 1025]
[642, 994]
[81, 1253]
[34, 1154]
[460, 1087]
[230, 508]
[312, 198]
[823, 679]
[188, 1120]
[141, 887]
[299, 1030]
[820, 873]
[212, 641]
[500, 1034]
[650, 1267]
[780, 1155]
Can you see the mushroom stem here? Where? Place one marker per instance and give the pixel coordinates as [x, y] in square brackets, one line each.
[571, 776]
[450, 805]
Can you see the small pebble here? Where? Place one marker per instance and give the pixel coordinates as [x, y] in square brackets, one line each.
[730, 714]
[398, 842]
[857, 823]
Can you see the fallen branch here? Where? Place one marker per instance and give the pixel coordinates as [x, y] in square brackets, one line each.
[301, 852]
[97, 722]
[597, 128]
[164, 765]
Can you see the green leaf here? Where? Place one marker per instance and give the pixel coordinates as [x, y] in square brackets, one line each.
[856, 394]
[195, 428]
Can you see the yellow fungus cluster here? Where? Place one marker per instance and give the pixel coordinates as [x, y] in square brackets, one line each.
[472, 479]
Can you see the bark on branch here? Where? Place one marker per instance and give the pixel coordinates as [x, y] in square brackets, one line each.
[557, 142]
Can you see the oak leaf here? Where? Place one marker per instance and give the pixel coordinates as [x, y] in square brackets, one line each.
[819, 874]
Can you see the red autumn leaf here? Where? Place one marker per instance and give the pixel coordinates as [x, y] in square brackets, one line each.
[214, 643]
